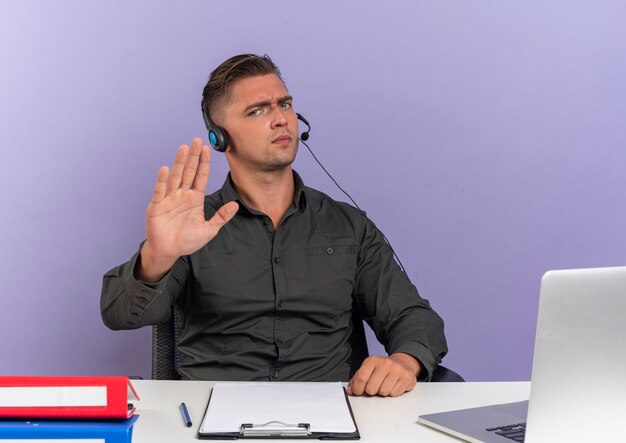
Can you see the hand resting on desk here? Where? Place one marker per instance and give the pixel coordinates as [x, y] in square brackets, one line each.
[385, 376]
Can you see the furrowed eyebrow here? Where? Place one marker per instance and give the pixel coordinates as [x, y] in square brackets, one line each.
[262, 103]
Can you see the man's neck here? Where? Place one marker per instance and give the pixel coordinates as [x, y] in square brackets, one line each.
[268, 192]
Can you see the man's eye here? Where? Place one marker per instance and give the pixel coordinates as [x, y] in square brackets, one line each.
[255, 112]
[285, 105]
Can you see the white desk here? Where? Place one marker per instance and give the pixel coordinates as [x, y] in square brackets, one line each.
[379, 420]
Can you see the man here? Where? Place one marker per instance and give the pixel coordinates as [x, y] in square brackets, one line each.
[265, 272]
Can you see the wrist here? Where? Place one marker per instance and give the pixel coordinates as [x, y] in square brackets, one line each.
[408, 361]
[151, 268]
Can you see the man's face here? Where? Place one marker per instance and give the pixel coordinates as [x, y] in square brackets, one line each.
[261, 124]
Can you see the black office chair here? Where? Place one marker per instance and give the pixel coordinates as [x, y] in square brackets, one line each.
[166, 358]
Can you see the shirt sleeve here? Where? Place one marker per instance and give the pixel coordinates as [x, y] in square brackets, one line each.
[127, 303]
[387, 300]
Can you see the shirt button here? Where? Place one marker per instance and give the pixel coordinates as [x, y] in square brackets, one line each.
[267, 221]
[276, 260]
[274, 373]
[329, 250]
[281, 304]
[279, 341]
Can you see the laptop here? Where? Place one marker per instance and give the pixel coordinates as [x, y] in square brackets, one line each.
[578, 390]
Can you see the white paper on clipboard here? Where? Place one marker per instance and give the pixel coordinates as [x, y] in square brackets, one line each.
[321, 405]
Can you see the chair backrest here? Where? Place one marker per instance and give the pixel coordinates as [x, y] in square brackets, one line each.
[166, 358]
[165, 354]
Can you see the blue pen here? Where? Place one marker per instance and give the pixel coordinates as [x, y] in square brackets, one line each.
[185, 412]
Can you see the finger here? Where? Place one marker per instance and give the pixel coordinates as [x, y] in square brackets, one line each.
[388, 385]
[376, 380]
[159, 187]
[221, 217]
[189, 171]
[401, 387]
[173, 182]
[202, 176]
[406, 383]
[360, 378]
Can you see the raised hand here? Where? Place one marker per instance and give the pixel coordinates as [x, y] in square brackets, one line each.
[175, 223]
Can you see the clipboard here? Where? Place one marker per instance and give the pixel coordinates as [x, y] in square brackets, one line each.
[273, 410]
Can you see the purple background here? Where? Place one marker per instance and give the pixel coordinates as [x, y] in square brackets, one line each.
[486, 139]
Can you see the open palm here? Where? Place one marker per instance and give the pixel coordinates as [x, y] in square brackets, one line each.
[175, 221]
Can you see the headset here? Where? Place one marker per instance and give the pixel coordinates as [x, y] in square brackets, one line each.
[218, 137]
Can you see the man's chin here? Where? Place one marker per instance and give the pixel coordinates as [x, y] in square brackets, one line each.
[276, 163]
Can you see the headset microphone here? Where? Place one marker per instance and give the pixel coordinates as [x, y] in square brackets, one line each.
[305, 135]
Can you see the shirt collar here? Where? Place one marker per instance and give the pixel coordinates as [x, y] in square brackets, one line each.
[229, 194]
[299, 190]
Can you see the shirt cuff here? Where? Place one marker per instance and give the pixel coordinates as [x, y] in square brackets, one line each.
[139, 284]
[145, 293]
[423, 355]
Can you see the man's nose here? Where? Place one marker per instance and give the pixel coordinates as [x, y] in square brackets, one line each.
[279, 117]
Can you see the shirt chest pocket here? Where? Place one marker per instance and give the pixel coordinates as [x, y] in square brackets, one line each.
[330, 271]
[331, 250]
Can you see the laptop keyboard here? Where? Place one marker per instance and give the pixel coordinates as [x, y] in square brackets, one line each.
[514, 432]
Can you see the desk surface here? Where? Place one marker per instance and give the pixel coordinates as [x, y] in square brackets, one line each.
[378, 419]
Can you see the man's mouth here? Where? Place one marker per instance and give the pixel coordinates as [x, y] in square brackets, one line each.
[282, 140]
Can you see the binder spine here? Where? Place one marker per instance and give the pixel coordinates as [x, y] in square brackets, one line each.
[64, 397]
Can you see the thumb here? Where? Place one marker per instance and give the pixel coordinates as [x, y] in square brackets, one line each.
[222, 216]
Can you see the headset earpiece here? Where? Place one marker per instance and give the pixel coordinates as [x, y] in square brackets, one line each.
[218, 138]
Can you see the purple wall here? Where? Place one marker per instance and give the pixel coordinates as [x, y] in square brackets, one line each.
[486, 139]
